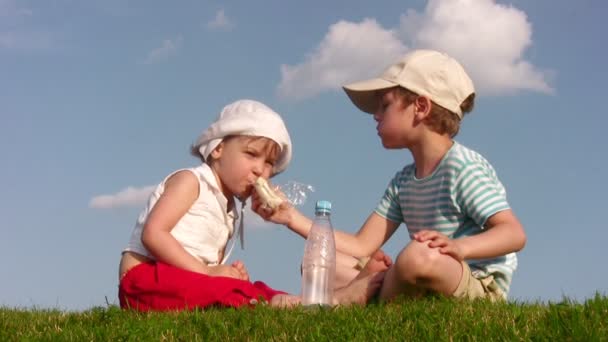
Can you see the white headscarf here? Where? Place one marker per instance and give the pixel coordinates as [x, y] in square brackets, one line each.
[252, 118]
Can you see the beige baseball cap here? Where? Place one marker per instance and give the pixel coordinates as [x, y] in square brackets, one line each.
[425, 72]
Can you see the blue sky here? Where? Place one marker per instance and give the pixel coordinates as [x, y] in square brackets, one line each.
[101, 100]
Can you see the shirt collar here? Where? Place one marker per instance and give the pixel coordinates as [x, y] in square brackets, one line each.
[209, 177]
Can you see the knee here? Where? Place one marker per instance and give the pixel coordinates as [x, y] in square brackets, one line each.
[416, 262]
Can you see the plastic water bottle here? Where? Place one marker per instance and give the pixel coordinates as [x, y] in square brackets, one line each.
[319, 261]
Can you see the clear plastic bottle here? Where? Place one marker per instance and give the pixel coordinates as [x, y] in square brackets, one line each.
[319, 261]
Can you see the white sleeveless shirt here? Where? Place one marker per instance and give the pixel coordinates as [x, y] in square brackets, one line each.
[204, 230]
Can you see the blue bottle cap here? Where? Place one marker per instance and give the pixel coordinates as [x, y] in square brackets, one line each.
[323, 207]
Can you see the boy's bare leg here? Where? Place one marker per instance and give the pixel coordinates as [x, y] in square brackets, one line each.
[345, 270]
[378, 262]
[366, 284]
[362, 286]
[360, 290]
[418, 268]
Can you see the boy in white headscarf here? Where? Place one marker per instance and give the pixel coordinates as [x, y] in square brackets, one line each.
[175, 257]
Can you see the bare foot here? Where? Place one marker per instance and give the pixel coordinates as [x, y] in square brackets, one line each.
[285, 301]
[378, 262]
[360, 290]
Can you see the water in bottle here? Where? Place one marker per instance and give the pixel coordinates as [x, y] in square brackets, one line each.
[319, 261]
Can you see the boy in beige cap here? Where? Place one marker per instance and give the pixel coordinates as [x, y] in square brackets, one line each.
[463, 232]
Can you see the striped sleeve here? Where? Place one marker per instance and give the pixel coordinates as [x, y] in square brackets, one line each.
[389, 206]
[479, 193]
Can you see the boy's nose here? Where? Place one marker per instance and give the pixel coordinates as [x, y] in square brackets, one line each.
[258, 169]
[377, 115]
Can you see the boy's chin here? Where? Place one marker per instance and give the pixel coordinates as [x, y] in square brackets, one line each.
[244, 195]
[389, 145]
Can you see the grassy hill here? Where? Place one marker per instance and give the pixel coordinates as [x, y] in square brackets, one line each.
[436, 319]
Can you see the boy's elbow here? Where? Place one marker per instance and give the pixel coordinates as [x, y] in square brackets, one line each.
[520, 238]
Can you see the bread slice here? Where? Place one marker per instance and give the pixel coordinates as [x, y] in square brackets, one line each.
[269, 198]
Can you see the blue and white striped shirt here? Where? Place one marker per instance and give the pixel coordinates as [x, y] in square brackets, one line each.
[456, 199]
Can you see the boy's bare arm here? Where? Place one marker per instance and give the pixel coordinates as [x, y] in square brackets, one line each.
[370, 237]
[504, 234]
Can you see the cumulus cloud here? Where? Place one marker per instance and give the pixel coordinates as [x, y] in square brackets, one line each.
[127, 197]
[168, 48]
[349, 51]
[221, 22]
[489, 39]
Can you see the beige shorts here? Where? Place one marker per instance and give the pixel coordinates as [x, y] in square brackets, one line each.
[472, 288]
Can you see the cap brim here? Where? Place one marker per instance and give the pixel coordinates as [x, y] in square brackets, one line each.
[363, 94]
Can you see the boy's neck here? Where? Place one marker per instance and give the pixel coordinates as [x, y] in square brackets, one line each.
[429, 153]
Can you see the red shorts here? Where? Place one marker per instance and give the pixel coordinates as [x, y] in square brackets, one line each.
[161, 287]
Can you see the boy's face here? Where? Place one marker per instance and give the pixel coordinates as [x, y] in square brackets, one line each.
[239, 161]
[395, 120]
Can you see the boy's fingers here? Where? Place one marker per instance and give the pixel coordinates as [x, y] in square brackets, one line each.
[387, 260]
[439, 241]
[451, 251]
[424, 235]
[427, 233]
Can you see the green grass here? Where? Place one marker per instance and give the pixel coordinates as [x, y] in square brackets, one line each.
[428, 319]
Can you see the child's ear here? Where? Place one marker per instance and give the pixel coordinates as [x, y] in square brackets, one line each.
[217, 151]
[422, 107]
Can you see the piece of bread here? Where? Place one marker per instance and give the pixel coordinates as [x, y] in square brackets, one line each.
[269, 198]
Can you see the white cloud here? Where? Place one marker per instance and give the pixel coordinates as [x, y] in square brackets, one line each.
[221, 22]
[488, 38]
[348, 52]
[168, 48]
[127, 197]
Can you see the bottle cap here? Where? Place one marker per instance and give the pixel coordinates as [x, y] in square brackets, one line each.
[323, 207]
